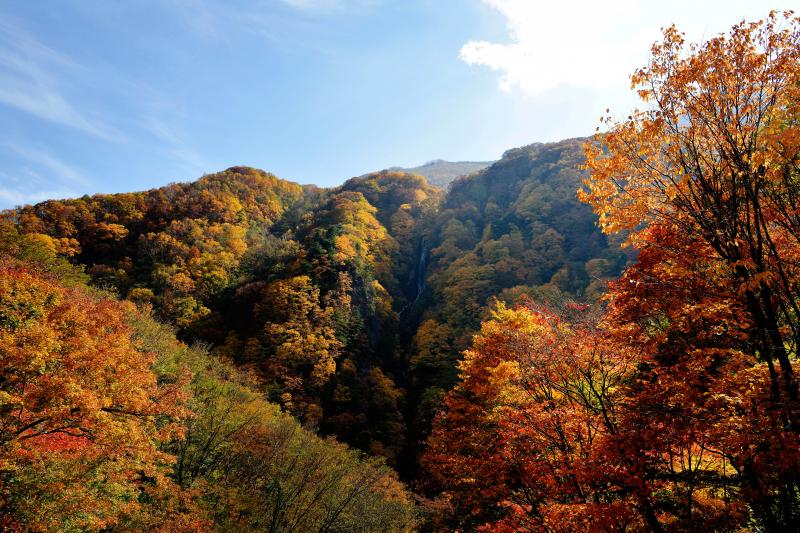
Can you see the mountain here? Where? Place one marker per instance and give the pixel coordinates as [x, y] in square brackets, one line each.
[351, 304]
[243, 353]
[440, 172]
[511, 231]
[110, 423]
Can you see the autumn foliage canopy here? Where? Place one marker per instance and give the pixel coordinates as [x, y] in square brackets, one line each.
[243, 353]
[678, 407]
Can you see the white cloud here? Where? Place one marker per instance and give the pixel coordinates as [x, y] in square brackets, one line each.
[592, 44]
[573, 42]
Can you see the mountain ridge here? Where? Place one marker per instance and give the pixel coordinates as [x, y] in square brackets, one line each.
[441, 172]
[388, 274]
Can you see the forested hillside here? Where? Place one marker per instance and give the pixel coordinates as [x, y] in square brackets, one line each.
[589, 335]
[515, 230]
[108, 422]
[673, 406]
[352, 304]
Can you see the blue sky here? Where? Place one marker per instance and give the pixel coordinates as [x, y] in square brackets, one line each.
[109, 96]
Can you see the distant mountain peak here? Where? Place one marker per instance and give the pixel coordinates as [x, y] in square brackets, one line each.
[440, 172]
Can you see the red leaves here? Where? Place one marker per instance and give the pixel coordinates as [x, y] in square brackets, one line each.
[60, 443]
[79, 403]
[682, 411]
[577, 307]
[521, 435]
[709, 193]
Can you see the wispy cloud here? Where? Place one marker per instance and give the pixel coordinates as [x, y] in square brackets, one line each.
[36, 174]
[202, 16]
[28, 83]
[351, 6]
[276, 20]
[92, 95]
[161, 130]
[176, 146]
[57, 169]
[32, 181]
[163, 126]
[10, 196]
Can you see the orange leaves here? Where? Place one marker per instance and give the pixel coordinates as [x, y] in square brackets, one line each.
[183, 241]
[299, 336]
[707, 182]
[754, 283]
[106, 231]
[711, 116]
[75, 391]
[537, 397]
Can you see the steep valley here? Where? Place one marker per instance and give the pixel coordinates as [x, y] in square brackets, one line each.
[351, 304]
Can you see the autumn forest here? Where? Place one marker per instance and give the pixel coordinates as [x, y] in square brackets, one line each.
[596, 334]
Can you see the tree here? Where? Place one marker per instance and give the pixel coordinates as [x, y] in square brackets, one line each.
[527, 436]
[252, 467]
[300, 344]
[108, 422]
[706, 180]
[80, 409]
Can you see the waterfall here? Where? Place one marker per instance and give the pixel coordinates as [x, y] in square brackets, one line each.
[419, 275]
[422, 265]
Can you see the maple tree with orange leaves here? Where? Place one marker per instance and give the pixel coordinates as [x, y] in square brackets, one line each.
[696, 424]
[707, 181]
[80, 408]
